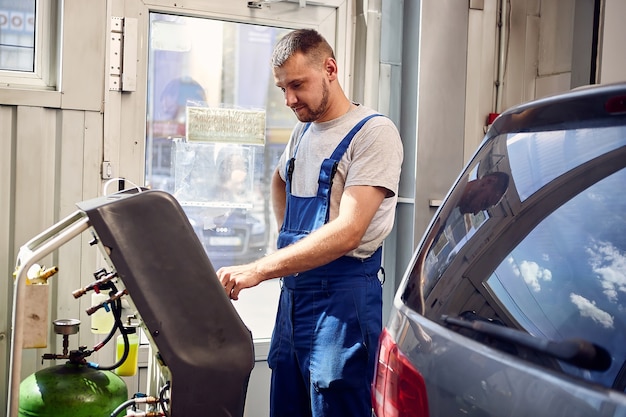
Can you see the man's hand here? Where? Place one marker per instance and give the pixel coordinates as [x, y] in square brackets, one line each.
[236, 278]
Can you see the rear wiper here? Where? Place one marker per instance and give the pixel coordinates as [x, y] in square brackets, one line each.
[578, 352]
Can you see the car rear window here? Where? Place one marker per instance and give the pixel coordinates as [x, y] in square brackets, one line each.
[567, 278]
[560, 271]
[529, 161]
[539, 157]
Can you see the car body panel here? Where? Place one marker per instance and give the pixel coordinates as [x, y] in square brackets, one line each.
[466, 378]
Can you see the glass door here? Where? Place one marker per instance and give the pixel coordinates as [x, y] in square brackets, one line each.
[216, 126]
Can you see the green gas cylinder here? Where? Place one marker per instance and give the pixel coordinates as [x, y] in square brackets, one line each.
[71, 390]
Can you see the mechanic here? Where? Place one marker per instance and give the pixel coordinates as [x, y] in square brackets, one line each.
[334, 194]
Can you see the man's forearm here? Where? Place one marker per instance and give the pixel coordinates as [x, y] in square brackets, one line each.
[324, 245]
[331, 241]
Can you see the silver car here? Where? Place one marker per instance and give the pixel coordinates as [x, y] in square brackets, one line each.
[514, 303]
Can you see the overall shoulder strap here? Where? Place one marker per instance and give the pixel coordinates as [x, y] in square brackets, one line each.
[345, 142]
[292, 161]
[329, 166]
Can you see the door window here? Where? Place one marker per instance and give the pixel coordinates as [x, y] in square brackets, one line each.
[216, 126]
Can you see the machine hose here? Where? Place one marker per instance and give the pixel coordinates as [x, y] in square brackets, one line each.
[134, 401]
[116, 309]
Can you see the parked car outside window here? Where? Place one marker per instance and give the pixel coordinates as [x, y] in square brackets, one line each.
[514, 303]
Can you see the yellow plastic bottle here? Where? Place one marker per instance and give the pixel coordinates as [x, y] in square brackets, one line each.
[102, 321]
[129, 366]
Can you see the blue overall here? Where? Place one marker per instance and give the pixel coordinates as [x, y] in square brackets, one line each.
[323, 348]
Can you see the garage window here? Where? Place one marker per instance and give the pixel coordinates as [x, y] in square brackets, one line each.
[28, 43]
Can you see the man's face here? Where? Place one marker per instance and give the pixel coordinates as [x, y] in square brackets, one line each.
[480, 195]
[305, 88]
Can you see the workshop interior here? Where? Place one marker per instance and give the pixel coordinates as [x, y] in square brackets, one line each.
[140, 137]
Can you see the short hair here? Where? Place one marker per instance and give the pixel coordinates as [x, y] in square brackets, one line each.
[502, 181]
[306, 41]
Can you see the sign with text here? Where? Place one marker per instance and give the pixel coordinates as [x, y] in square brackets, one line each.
[209, 124]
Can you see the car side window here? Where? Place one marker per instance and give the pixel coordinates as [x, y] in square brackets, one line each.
[566, 279]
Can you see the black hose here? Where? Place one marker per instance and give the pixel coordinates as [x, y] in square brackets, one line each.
[163, 400]
[116, 310]
[118, 306]
[117, 313]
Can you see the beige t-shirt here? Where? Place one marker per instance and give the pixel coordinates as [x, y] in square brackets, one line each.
[374, 158]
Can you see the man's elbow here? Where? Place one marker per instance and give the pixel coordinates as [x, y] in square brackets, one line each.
[276, 180]
[352, 240]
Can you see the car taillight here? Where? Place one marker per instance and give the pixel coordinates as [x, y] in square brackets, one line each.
[398, 389]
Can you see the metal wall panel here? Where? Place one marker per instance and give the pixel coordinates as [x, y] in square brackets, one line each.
[83, 74]
[47, 153]
[613, 55]
[441, 103]
[7, 142]
[555, 51]
[481, 74]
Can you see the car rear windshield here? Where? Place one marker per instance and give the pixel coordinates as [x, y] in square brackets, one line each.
[539, 157]
[560, 272]
[567, 278]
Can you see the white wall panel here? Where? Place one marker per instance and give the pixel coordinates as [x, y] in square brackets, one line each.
[482, 47]
[35, 187]
[613, 53]
[556, 36]
[7, 143]
[552, 84]
[44, 168]
[441, 103]
[71, 153]
[530, 64]
[83, 59]
[521, 53]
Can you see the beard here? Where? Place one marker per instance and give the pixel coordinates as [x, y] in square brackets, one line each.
[312, 114]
